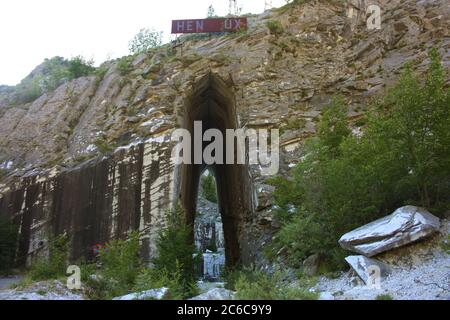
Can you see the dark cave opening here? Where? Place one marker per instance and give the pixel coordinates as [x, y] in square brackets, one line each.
[212, 102]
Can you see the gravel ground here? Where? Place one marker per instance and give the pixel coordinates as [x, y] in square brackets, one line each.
[419, 272]
[429, 280]
[46, 290]
[7, 282]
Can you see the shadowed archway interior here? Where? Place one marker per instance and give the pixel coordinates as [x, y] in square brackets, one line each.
[212, 102]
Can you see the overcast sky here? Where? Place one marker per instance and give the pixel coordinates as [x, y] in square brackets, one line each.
[32, 30]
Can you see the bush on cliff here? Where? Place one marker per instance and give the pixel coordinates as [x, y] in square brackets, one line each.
[344, 181]
[275, 27]
[145, 40]
[50, 75]
[55, 264]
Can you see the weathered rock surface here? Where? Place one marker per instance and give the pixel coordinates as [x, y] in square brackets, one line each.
[208, 225]
[405, 225]
[216, 294]
[368, 269]
[213, 264]
[121, 122]
[155, 294]
[311, 265]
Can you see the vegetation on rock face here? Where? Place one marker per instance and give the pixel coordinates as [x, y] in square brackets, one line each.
[54, 266]
[145, 40]
[50, 75]
[275, 27]
[124, 65]
[8, 245]
[345, 181]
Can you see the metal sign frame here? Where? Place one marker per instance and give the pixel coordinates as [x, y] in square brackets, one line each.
[231, 24]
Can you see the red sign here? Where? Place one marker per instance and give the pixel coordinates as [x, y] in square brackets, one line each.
[209, 25]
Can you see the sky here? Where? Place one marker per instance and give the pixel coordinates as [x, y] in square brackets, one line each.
[32, 30]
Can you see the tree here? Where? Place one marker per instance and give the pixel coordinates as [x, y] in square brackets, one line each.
[211, 12]
[176, 253]
[420, 123]
[208, 185]
[345, 181]
[144, 40]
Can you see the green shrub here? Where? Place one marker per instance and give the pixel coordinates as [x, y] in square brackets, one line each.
[103, 146]
[345, 181]
[275, 27]
[58, 70]
[80, 67]
[8, 245]
[53, 73]
[149, 278]
[124, 66]
[120, 265]
[145, 40]
[28, 91]
[119, 269]
[87, 270]
[55, 265]
[232, 275]
[208, 187]
[262, 286]
[101, 71]
[177, 255]
[155, 279]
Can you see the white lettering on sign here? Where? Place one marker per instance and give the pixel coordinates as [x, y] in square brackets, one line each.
[233, 24]
[180, 26]
[208, 25]
[228, 24]
[199, 26]
[189, 26]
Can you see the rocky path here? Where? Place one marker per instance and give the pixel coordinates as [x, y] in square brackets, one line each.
[46, 290]
[420, 271]
[7, 282]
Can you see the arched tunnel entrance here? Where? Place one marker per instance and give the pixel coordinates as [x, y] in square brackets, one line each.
[212, 102]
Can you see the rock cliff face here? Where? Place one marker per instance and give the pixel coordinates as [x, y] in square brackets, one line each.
[92, 158]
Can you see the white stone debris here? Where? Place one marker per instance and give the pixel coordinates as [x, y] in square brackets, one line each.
[216, 294]
[405, 225]
[156, 294]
